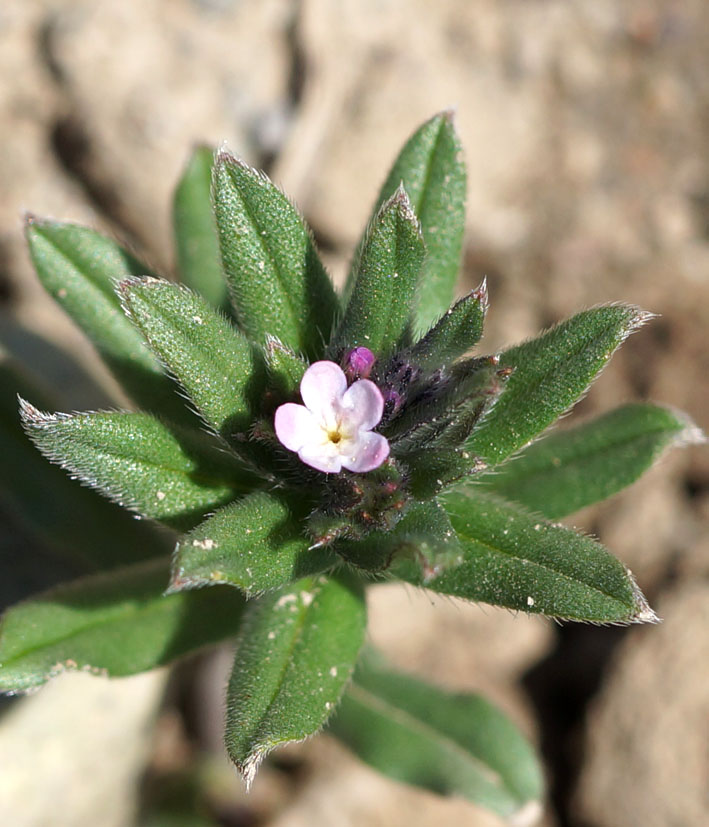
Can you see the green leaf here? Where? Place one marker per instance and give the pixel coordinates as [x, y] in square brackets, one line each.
[171, 475]
[424, 533]
[432, 171]
[452, 743]
[47, 501]
[445, 412]
[432, 470]
[378, 314]
[512, 558]
[79, 268]
[571, 469]
[210, 359]
[456, 332]
[117, 623]
[196, 240]
[295, 655]
[276, 280]
[285, 368]
[550, 374]
[256, 543]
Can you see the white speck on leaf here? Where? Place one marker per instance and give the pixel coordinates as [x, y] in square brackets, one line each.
[207, 544]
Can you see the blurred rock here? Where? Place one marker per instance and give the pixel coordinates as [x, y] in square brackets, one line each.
[182, 73]
[459, 645]
[72, 754]
[647, 732]
[31, 177]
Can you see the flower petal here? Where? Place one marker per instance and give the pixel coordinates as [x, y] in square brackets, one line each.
[296, 426]
[368, 452]
[322, 457]
[321, 387]
[363, 405]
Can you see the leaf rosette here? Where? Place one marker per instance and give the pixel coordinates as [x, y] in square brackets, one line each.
[304, 444]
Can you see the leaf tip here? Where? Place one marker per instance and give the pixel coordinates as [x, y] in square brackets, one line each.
[179, 581]
[127, 290]
[480, 294]
[642, 316]
[690, 433]
[401, 202]
[247, 769]
[31, 416]
[637, 317]
[643, 612]
[225, 159]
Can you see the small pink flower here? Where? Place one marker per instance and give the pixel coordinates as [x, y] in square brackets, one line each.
[333, 429]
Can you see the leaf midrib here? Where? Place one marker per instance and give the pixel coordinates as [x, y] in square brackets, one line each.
[428, 171]
[190, 475]
[576, 458]
[535, 380]
[146, 357]
[286, 289]
[287, 660]
[537, 564]
[408, 720]
[126, 612]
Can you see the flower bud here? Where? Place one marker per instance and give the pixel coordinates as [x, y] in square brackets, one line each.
[359, 363]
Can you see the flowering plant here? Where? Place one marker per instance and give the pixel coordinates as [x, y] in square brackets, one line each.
[304, 445]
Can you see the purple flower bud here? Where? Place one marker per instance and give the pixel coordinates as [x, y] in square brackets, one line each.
[359, 363]
[392, 402]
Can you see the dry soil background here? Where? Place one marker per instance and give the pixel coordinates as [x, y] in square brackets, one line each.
[586, 127]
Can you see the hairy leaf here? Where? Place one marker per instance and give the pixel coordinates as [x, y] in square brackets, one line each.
[210, 359]
[198, 255]
[512, 558]
[378, 313]
[550, 374]
[571, 469]
[79, 267]
[296, 653]
[117, 623]
[71, 519]
[285, 368]
[256, 544]
[431, 470]
[277, 283]
[431, 169]
[168, 474]
[456, 332]
[423, 533]
[445, 412]
[452, 743]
